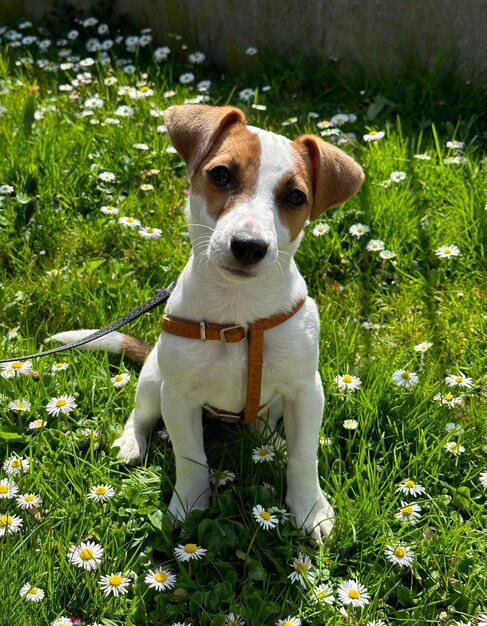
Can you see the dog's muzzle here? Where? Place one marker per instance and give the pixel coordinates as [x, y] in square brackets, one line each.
[248, 249]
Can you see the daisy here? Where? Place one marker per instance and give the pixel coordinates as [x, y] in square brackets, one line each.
[160, 579]
[64, 404]
[30, 593]
[459, 381]
[374, 135]
[375, 245]
[101, 493]
[358, 230]
[399, 554]
[410, 487]
[189, 552]
[19, 405]
[445, 252]
[387, 254]
[347, 382]
[120, 380]
[187, 78]
[59, 367]
[263, 453]
[29, 501]
[88, 555]
[37, 424]
[321, 229]
[232, 619]
[221, 477]
[62, 621]
[264, 518]
[6, 189]
[350, 424]
[482, 619]
[339, 119]
[397, 177]
[370, 326]
[302, 570]
[323, 594]
[246, 94]
[141, 146]
[108, 209]
[376, 622]
[19, 368]
[114, 584]
[455, 145]
[455, 448]
[147, 232]
[409, 513]
[16, 465]
[448, 399]
[251, 51]
[423, 156]
[9, 524]
[8, 489]
[352, 593]
[130, 222]
[483, 479]
[289, 621]
[423, 346]
[325, 441]
[196, 57]
[106, 177]
[403, 378]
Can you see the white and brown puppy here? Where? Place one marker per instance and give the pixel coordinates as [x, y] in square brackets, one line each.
[251, 194]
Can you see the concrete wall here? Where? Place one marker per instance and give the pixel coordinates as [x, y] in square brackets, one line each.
[379, 33]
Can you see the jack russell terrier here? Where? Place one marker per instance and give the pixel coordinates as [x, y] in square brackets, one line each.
[239, 332]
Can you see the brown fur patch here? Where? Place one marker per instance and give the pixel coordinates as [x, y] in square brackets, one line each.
[135, 349]
[238, 149]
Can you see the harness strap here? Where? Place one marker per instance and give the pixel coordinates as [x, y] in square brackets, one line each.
[209, 331]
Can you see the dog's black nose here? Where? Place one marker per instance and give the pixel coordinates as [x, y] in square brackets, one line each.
[248, 249]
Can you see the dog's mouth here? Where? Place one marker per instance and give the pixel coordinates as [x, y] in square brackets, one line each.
[240, 272]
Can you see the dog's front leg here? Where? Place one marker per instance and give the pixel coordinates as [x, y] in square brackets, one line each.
[302, 422]
[185, 427]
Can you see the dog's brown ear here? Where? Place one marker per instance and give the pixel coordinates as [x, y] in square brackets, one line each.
[194, 128]
[336, 176]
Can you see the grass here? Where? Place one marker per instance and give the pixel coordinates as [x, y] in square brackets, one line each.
[51, 154]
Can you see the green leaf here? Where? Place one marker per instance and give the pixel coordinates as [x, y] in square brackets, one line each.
[6, 436]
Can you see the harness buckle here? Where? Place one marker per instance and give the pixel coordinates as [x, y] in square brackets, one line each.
[223, 336]
[203, 330]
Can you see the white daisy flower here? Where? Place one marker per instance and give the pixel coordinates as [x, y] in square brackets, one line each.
[106, 177]
[251, 50]
[409, 487]
[37, 424]
[397, 177]
[16, 465]
[264, 518]
[9, 524]
[289, 621]
[196, 57]
[445, 252]
[88, 555]
[347, 382]
[30, 593]
[387, 254]
[453, 144]
[370, 326]
[114, 584]
[358, 230]
[19, 405]
[399, 554]
[108, 209]
[246, 94]
[449, 400]
[101, 493]
[59, 367]
[232, 619]
[16, 368]
[303, 571]
[64, 404]
[141, 146]
[28, 501]
[220, 478]
[460, 380]
[339, 119]
[160, 579]
[375, 245]
[423, 156]
[124, 110]
[483, 479]
[120, 380]
[186, 78]
[404, 378]
[62, 621]
[130, 222]
[323, 594]
[263, 453]
[352, 593]
[350, 424]
[147, 186]
[147, 232]
[374, 135]
[454, 448]
[409, 513]
[321, 229]
[8, 489]
[424, 346]
[189, 552]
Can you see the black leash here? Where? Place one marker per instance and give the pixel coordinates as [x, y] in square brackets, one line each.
[161, 296]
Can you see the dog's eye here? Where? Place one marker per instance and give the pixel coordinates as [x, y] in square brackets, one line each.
[295, 198]
[220, 175]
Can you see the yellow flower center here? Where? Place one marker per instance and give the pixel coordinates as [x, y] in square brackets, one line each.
[286, 622]
[130, 219]
[5, 520]
[59, 365]
[16, 365]
[300, 567]
[115, 580]
[322, 594]
[118, 378]
[448, 397]
[354, 594]
[407, 510]
[447, 251]
[15, 463]
[399, 552]
[458, 379]
[160, 577]
[33, 591]
[347, 379]
[265, 515]
[29, 498]
[264, 451]
[19, 405]
[86, 554]
[373, 132]
[409, 484]
[405, 375]
[190, 547]
[3, 489]
[100, 491]
[453, 445]
[61, 402]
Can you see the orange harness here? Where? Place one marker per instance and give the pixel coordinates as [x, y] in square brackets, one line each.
[208, 331]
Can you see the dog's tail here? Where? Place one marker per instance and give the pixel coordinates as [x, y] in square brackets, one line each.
[117, 343]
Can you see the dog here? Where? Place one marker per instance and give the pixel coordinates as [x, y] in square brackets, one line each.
[252, 192]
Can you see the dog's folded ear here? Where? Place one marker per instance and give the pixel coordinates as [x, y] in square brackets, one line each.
[336, 176]
[194, 128]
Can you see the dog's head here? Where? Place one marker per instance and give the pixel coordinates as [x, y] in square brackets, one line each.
[252, 190]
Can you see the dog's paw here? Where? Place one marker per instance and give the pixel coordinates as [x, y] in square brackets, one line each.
[131, 449]
[316, 517]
